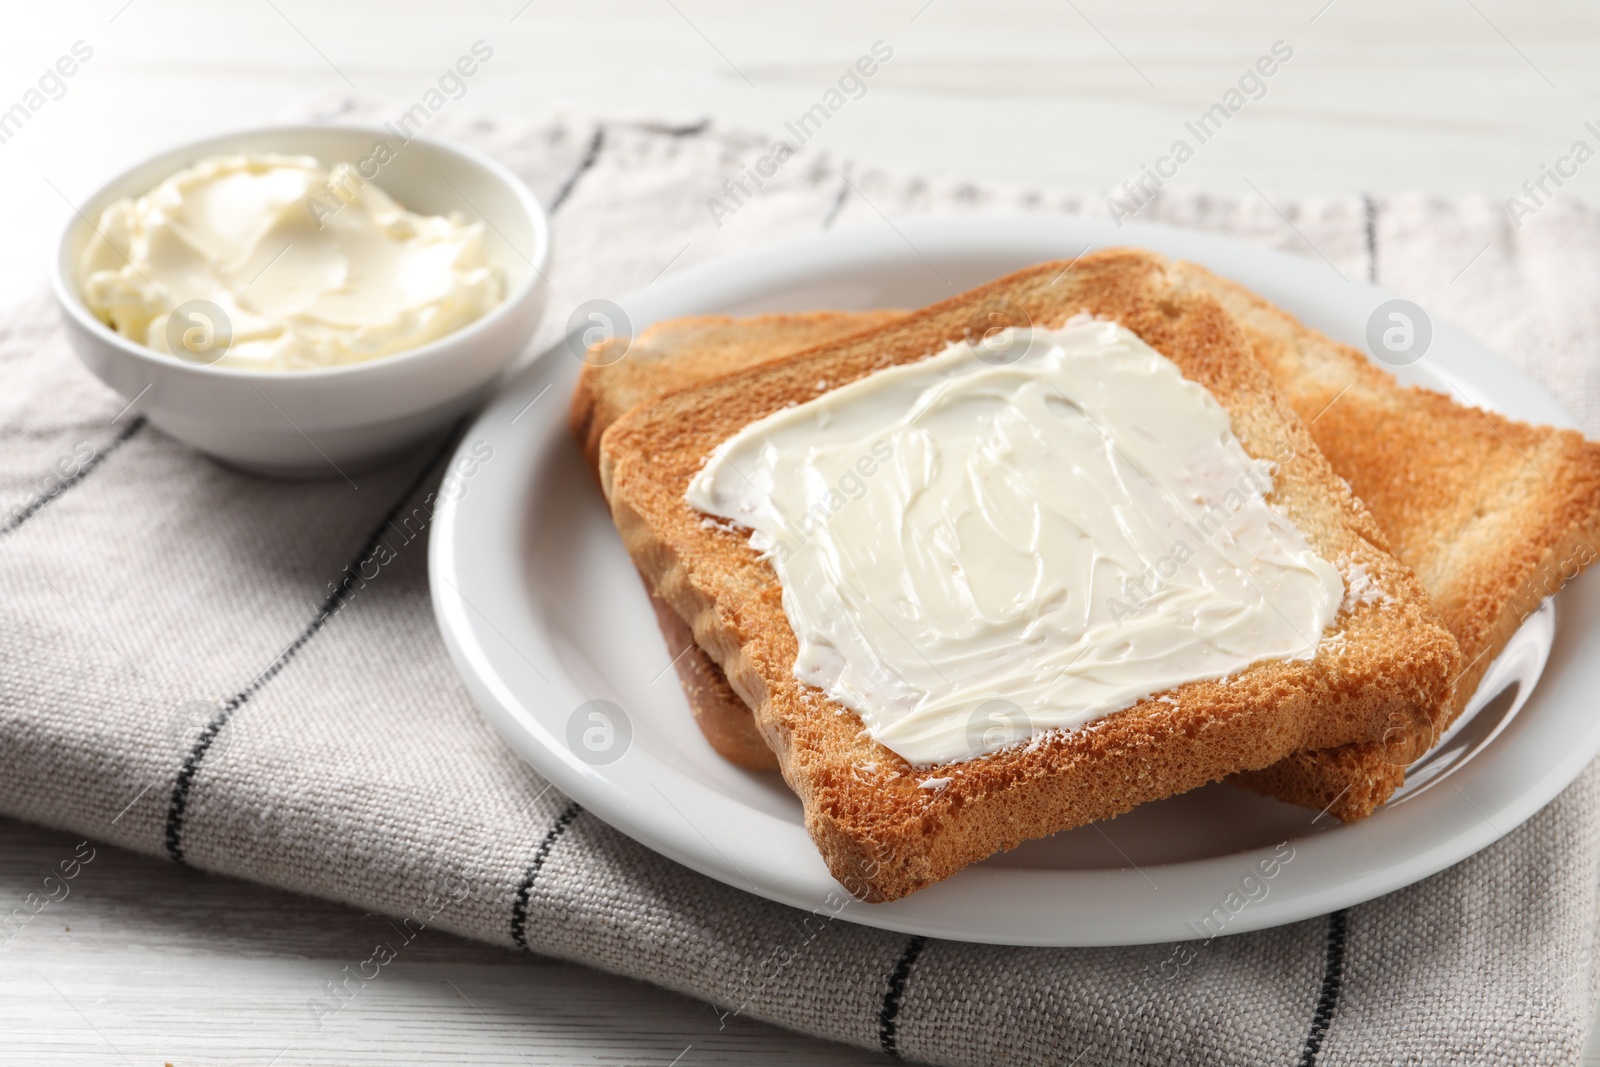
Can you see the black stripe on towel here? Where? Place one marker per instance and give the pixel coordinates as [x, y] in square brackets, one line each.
[692, 130]
[519, 909]
[34, 506]
[1370, 213]
[889, 1012]
[179, 801]
[1328, 995]
[838, 199]
[590, 157]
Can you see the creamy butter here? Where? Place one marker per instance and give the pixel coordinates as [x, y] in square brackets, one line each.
[299, 284]
[1017, 536]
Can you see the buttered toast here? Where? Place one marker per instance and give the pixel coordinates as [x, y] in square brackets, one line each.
[1492, 514]
[1431, 469]
[882, 830]
[620, 374]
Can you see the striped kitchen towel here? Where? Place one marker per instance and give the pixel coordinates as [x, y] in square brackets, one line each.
[185, 673]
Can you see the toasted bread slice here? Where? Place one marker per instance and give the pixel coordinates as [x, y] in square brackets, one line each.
[1426, 493]
[1493, 515]
[881, 834]
[622, 373]
[725, 720]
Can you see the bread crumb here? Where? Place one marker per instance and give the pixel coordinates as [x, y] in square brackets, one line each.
[935, 784]
[822, 387]
[1359, 587]
[1044, 737]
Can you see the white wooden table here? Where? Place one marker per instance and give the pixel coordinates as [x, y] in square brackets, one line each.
[147, 964]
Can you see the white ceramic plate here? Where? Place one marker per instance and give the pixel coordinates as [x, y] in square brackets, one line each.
[543, 612]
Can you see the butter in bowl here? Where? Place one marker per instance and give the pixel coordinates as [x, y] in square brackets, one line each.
[304, 301]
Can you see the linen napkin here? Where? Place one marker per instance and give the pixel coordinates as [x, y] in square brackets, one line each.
[178, 677]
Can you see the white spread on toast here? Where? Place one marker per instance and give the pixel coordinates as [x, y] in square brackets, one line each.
[1023, 534]
[1360, 587]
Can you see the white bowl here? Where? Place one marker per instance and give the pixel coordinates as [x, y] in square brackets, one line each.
[337, 420]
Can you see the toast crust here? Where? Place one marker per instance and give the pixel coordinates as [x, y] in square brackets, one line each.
[619, 375]
[725, 721]
[1493, 515]
[882, 834]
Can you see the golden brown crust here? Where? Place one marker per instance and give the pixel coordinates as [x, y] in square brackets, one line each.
[1493, 515]
[1348, 782]
[621, 374]
[667, 357]
[882, 835]
[723, 718]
